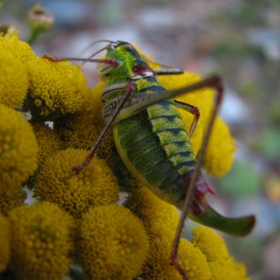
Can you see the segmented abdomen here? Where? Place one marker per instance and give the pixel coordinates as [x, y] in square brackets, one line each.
[155, 147]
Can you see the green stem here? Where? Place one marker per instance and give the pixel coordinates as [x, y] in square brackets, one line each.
[33, 36]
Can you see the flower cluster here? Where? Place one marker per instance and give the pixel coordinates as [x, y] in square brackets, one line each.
[207, 250]
[75, 219]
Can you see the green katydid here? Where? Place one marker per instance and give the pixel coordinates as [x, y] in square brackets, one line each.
[146, 123]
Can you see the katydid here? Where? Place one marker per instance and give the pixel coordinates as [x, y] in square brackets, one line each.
[152, 140]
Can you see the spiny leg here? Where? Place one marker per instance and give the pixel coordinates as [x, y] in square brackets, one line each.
[214, 82]
[191, 109]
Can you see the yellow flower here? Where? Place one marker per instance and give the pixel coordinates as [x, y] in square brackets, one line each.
[56, 89]
[220, 149]
[19, 49]
[18, 149]
[112, 243]
[4, 242]
[221, 264]
[94, 185]
[161, 220]
[41, 241]
[11, 199]
[157, 265]
[13, 80]
[206, 258]
[156, 215]
[211, 244]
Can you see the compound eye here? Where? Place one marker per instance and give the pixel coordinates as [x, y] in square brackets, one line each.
[109, 47]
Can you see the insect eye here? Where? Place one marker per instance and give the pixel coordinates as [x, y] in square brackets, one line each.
[109, 47]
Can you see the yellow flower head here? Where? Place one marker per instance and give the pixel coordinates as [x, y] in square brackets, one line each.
[211, 244]
[207, 255]
[156, 215]
[11, 199]
[221, 264]
[13, 80]
[112, 243]
[19, 49]
[56, 89]
[41, 241]
[4, 242]
[18, 149]
[161, 220]
[94, 185]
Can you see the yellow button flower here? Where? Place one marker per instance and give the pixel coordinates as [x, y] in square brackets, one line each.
[19, 49]
[56, 89]
[41, 241]
[161, 220]
[221, 264]
[112, 243]
[4, 242]
[94, 185]
[18, 149]
[206, 257]
[13, 80]
[215, 250]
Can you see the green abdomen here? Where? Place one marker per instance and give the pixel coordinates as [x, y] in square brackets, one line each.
[155, 148]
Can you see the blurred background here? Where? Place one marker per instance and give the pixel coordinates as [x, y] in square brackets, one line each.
[239, 40]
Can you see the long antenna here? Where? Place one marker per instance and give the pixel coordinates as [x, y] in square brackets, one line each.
[94, 43]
